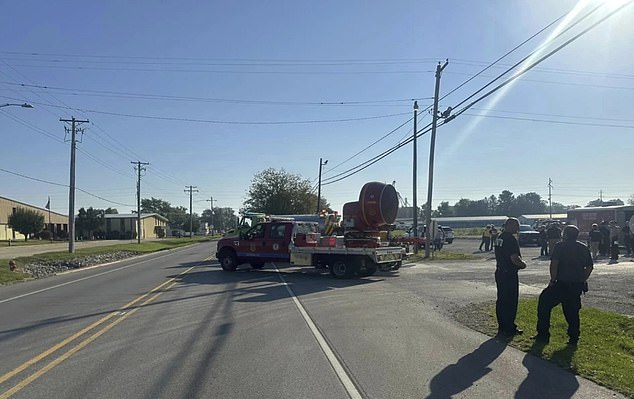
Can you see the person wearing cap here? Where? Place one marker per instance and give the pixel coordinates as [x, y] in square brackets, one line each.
[627, 238]
[570, 267]
[486, 238]
[595, 240]
[614, 232]
[508, 261]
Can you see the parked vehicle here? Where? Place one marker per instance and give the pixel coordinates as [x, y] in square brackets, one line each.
[448, 234]
[527, 235]
[360, 251]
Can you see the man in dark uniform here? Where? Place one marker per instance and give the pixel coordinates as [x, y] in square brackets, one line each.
[509, 261]
[570, 267]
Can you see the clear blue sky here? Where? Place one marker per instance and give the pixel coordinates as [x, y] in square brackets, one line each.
[244, 63]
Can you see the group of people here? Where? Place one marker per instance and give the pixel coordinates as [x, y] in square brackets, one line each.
[548, 237]
[570, 266]
[489, 235]
[605, 237]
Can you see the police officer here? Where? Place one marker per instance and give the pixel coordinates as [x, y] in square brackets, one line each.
[570, 267]
[509, 261]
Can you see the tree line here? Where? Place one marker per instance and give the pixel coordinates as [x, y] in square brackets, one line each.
[508, 204]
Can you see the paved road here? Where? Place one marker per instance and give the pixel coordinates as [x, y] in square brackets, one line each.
[173, 325]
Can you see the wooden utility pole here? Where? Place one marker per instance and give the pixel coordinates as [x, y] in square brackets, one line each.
[550, 197]
[191, 190]
[415, 178]
[71, 193]
[430, 184]
[140, 166]
[211, 207]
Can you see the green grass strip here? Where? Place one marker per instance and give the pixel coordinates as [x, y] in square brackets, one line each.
[7, 276]
[605, 353]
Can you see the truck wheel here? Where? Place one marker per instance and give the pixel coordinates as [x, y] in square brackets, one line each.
[257, 265]
[340, 269]
[228, 261]
[369, 270]
[397, 265]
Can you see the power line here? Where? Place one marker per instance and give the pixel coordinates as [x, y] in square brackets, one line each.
[531, 54]
[553, 121]
[152, 96]
[503, 56]
[537, 62]
[155, 117]
[61, 185]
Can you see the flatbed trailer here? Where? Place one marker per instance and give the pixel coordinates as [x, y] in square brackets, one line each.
[298, 243]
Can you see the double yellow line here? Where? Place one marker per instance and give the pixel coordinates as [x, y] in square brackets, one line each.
[122, 315]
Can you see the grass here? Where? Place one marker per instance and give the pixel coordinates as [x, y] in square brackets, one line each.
[605, 353]
[6, 276]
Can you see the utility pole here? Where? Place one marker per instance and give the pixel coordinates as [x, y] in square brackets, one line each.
[211, 206]
[140, 166]
[550, 197]
[415, 178]
[600, 197]
[191, 190]
[71, 192]
[430, 184]
[319, 184]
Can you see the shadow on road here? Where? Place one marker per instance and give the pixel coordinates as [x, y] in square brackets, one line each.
[457, 377]
[546, 380]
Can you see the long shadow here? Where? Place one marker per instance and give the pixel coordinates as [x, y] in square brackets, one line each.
[459, 376]
[546, 380]
[256, 286]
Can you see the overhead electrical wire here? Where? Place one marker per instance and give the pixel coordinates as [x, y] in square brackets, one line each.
[179, 119]
[518, 74]
[62, 185]
[504, 56]
[531, 54]
[366, 164]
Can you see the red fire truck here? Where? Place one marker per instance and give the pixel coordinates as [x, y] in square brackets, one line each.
[359, 252]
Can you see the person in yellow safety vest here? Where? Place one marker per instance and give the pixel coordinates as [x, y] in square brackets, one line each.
[330, 224]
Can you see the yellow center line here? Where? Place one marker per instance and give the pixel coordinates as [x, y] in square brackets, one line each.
[83, 331]
[78, 347]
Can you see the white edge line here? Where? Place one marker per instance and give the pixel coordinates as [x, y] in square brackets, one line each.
[330, 355]
[83, 278]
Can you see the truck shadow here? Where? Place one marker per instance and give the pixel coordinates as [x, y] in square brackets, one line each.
[269, 284]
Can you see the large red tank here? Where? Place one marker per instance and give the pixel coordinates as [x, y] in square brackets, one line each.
[377, 207]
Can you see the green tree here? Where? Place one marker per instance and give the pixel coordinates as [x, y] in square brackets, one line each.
[155, 205]
[111, 211]
[445, 210]
[526, 204]
[178, 217]
[278, 192]
[600, 202]
[88, 220]
[223, 218]
[26, 221]
[505, 203]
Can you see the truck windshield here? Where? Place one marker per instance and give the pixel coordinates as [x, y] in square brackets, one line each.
[306, 227]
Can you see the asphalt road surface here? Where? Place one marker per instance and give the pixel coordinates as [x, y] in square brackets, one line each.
[174, 325]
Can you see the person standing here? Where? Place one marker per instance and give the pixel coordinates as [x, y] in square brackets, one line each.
[627, 238]
[486, 239]
[554, 236]
[605, 238]
[543, 241]
[595, 240]
[614, 232]
[570, 267]
[508, 261]
[494, 236]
